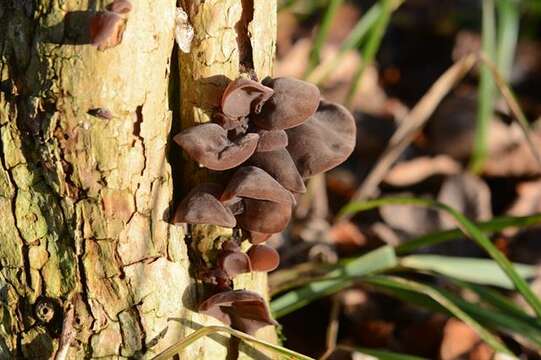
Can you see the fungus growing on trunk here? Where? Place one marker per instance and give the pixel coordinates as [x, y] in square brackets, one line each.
[201, 206]
[323, 141]
[270, 140]
[280, 165]
[292, 103]
[263, 257]
[242, 96]
[280, 133]
[241, 309]
[107, 27]
[209, 145]
[254, 183]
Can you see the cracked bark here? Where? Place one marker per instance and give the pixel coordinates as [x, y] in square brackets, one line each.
[85, 197]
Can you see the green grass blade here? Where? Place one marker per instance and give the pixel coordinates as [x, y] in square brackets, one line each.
[353, 40]
[508, 28]
[491, 318]
[444, 301]
[478, 271]
[207, 330]
[497, 301]
[321, 36]
[371, 48]
[494, 225]
[469, 229]
[380, 259]
[485, 102]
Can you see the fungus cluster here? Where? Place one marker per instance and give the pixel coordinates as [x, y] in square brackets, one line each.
[274, 135]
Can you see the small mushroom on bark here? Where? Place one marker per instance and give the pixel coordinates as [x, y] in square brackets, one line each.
[209, 145]
[107, 27]
[201, 206]
[243, 96]
[270, 140]
[263, 258]
[234, 263]
[293, 102]
[264, 216]
[280, 166]
[323, 141]
[241, 309]
[254, 183]
[120, 6]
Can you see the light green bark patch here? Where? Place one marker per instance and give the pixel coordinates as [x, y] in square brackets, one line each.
[30, 220]
[10, 248]
[131, 333]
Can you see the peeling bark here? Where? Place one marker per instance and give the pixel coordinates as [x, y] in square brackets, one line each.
[85, 185]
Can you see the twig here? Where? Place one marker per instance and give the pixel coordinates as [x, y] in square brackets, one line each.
[332, 329]
[513, 105]
[411, 124]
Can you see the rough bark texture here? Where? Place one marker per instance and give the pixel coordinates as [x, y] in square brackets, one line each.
[84, 200]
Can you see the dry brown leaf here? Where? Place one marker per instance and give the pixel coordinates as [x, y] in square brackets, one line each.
[528, 200]
[458, 339]
[413, 220]
[413, 171]
[517, 161]
[468, 194]
[346, 234]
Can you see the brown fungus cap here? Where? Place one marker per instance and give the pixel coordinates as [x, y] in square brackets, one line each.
[323, 141]
[120, 6]
[106, 29]
[241, 309]
[264, 216]
[234, 263]
[254, 183]
[201, 206]
[242, 97]
[263, 258]
[270, 140]
[280, 166]
[209, 145]
[293, 102]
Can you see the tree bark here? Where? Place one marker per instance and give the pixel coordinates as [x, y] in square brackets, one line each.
[85, 197]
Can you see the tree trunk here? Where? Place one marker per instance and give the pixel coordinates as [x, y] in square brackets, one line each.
[85, 194]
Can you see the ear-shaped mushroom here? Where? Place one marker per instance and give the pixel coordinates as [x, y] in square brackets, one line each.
[209, 145]
[323, 141]
[293, 102]
[107, 27]
[254, 183]
[120, 6]
[280, 166]
[234, 263]
[243, 96]
[264, 216]
[241, 309]
[201, 206]
[270, 140]
[263, 258]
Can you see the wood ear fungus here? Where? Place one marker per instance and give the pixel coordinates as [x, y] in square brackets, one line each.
[201, 206]
[292, 103]
[323, 141]
[263, 258]
[241, 309]
[242, 96]
[209, 145]
[280, 133]
[107, 27]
